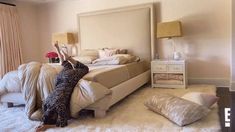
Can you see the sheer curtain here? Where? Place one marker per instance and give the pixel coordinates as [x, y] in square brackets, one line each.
[10, 39]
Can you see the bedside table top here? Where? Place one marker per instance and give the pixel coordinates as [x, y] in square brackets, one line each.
[166, 60]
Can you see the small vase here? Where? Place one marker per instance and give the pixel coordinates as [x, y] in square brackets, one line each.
[54, 60]
[176, 56]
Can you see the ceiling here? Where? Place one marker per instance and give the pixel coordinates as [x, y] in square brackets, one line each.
[38, 1]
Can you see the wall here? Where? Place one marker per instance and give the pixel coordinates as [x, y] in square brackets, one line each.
[206, 25]
[29, 26]
[233, 49]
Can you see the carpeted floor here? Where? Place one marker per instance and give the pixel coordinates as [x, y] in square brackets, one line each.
[126, 116]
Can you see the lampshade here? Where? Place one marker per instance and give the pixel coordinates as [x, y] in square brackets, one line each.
[169, 29]
[63, 38]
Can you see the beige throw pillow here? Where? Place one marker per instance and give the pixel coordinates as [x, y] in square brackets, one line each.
[85, 59]
[87, 56]
[89, 52]
[179, 111]
[117, 59]
[204, 99]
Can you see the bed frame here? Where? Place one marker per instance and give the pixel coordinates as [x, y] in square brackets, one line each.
[129, 28]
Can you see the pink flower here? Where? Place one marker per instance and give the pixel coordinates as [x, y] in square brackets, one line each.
[51, 55]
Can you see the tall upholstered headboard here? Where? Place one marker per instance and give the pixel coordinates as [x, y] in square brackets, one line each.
[129, 28]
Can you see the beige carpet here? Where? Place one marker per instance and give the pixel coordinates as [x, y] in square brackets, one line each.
[129, 115]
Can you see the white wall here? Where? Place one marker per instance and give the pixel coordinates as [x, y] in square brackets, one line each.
[206, 25]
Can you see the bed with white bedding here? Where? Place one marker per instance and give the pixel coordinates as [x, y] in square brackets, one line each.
[100, 80]
[136, 35]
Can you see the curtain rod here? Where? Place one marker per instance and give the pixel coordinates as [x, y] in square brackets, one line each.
[7, 4]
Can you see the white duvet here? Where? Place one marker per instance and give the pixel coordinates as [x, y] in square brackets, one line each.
[36, 80]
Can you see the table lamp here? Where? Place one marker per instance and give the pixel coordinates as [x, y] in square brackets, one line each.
[170, 30]
[63, 39]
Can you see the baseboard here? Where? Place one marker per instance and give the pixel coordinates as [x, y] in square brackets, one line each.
[218, 82]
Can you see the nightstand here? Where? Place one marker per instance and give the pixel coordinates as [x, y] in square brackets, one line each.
[169, 73]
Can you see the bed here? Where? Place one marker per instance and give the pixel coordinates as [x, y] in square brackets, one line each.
[101, 29]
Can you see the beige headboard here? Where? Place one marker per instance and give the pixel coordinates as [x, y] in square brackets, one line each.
[129, 28]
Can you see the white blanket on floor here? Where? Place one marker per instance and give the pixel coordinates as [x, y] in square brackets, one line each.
[36, 80]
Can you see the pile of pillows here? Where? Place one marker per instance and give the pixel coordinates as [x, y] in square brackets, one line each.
[106, 56]
[182, 111]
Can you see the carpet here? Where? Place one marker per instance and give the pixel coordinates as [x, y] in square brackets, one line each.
[128, 115]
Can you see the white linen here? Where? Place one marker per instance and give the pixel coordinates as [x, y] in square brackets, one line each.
[10, 83]
[84, 94]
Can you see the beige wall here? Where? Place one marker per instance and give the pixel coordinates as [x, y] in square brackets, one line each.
[233, 48]
[30, 35]
[206, 25]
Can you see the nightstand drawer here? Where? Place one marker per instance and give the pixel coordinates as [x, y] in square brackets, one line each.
[159, 68]
[175, 68]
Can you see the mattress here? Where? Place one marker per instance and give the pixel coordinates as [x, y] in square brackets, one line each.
[112, 75]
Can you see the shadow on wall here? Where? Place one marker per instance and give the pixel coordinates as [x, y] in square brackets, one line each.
[158, 18]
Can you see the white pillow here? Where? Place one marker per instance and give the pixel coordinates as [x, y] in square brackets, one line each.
[204, 99]
[85, 59]
[89, 52]
[107, 53]
[117, 59]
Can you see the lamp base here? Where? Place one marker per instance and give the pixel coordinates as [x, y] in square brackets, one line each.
[64, 48]
[176, 56]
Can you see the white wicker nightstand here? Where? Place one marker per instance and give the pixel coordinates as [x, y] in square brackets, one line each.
[169, 73]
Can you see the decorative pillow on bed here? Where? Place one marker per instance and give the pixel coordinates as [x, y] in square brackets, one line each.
[103, 53]
[85, 59]
[116, 59]
[90, 52]
[87, 56]
[179, 111]
[122, 51]
[204, 99]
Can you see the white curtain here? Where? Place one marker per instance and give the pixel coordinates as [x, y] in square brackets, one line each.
[10, 39]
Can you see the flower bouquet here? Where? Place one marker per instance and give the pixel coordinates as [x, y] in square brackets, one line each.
[53, 57]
